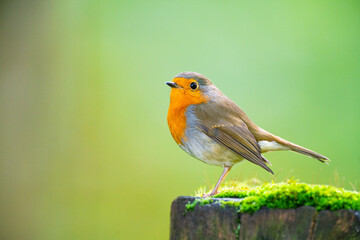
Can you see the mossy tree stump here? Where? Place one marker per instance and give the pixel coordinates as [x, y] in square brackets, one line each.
[214, 219]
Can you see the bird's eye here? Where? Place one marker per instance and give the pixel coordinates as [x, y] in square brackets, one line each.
[193, 85]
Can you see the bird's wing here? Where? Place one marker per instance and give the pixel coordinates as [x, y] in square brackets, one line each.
[231, 132]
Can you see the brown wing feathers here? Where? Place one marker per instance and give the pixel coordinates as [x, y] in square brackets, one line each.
[239, 140]
[224, 125]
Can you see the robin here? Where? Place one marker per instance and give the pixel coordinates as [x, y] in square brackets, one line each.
[210, 127]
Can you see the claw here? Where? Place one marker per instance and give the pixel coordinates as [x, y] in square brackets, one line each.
[205, 195]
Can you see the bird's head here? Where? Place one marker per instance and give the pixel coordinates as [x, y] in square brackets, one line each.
[188, 88]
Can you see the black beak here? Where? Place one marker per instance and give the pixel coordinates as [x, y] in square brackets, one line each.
[172, 85]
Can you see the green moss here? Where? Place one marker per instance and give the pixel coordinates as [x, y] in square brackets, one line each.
[201, 201]
[237, 231]
[285, 195]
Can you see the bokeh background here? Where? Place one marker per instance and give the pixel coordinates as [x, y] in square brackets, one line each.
[85, 151]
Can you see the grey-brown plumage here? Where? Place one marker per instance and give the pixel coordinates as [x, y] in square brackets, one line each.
[226, 123]
[218, 131]
[230, 131]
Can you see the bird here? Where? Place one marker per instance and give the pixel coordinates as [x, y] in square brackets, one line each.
[212, 128]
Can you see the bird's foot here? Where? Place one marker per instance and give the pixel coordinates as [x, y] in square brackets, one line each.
[209, 194]
[206, 195]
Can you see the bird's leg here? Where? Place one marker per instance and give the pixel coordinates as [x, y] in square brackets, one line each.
[222, 177]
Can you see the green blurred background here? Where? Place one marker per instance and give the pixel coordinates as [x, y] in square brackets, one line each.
[85, 151]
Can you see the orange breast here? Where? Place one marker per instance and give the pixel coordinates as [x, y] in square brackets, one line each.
[180, 100]
[177, 123]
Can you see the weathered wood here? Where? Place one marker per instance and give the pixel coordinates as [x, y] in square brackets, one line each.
[342, 224]
[267, 223]
[205, 222]
[214, 221]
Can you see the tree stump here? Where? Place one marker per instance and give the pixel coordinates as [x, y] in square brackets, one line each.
[218, 221]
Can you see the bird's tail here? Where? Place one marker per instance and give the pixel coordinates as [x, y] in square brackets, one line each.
[302, 150]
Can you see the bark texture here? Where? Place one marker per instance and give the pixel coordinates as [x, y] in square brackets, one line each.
[214, 221]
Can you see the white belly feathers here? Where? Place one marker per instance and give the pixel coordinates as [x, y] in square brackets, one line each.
[204, 148]
[267, 146]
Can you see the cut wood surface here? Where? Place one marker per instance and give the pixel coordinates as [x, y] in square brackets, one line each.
[215, 220]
